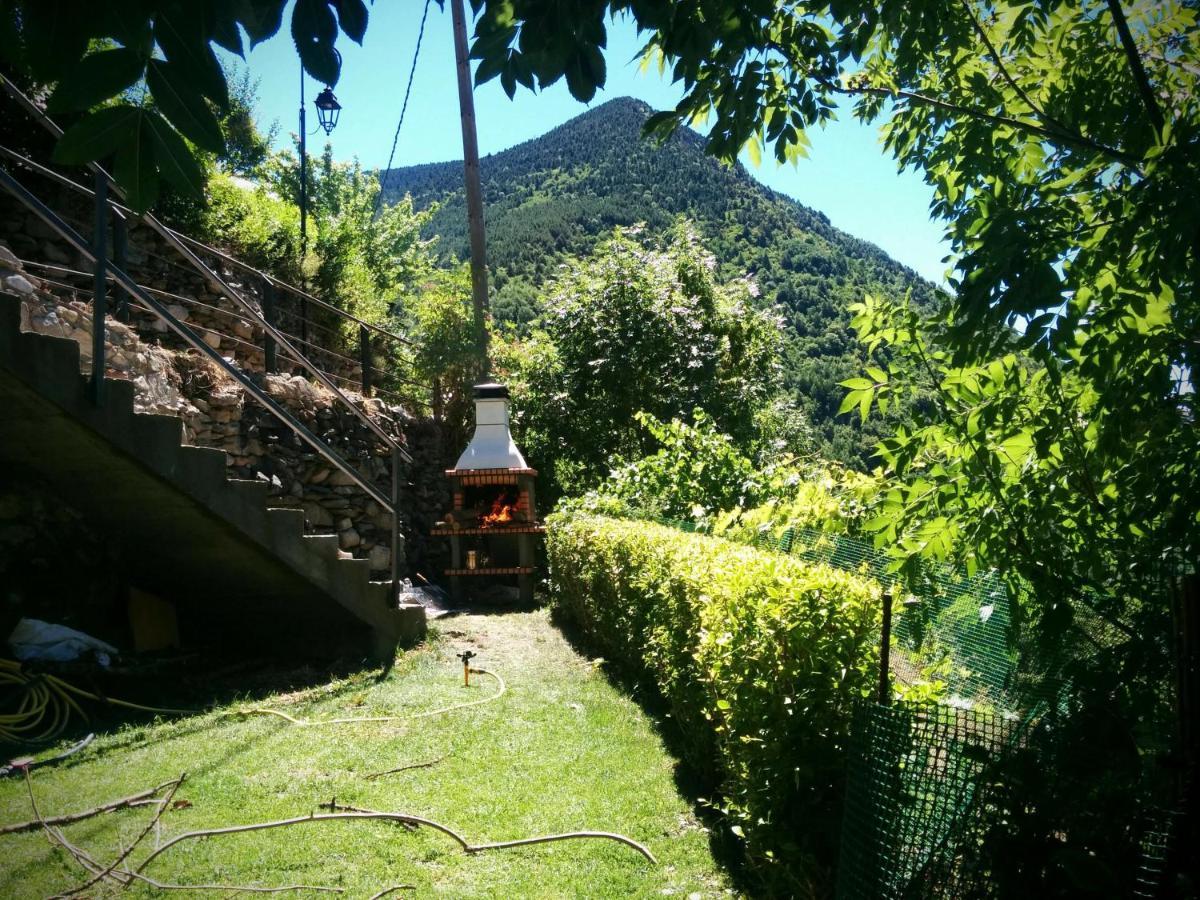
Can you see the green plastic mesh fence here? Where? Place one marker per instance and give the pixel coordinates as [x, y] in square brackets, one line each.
[916, 790]
[925, 797]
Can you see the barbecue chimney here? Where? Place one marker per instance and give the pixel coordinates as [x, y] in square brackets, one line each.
[492, 445]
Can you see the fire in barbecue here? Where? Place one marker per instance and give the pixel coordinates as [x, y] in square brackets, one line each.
[501, 514]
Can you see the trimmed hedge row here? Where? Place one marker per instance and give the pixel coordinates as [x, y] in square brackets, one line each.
[760, 657]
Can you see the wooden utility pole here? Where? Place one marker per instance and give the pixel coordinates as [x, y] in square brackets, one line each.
[466, 104]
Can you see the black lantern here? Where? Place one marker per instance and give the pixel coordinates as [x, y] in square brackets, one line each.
[327, 109]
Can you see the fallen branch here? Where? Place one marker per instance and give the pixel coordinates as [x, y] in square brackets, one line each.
[355, 815]
[124, 877]
[392, 890]
[54, 836]
[150, 826]
[420, 765]
[67, 819]
[353, 720]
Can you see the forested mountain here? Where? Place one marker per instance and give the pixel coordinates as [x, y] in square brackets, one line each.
[555, 196]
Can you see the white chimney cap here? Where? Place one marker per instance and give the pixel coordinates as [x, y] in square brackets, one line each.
[492, 445]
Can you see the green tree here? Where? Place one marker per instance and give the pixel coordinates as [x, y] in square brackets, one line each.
[635, 329]
[360, 258]
[439, 319]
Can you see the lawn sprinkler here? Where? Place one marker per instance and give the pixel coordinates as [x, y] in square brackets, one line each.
[466, 656]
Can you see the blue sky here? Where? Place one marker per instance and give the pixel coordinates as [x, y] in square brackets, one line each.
[847, 175]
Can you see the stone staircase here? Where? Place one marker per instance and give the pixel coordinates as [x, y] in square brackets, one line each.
[236, 569]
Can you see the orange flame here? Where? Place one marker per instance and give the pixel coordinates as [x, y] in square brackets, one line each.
[501, 514]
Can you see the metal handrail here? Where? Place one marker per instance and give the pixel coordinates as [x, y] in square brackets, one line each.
[127, 283]
[214, 279]
[58, 178]
[63, 180]
[226, 313]
[102, 266]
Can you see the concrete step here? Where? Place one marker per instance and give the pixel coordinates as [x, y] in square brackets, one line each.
[212, 538]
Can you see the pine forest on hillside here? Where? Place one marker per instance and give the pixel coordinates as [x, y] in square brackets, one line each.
[555, 197]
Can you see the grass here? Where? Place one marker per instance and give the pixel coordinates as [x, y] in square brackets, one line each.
[562, 750]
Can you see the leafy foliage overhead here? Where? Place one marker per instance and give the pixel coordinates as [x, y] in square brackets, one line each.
[94, 53]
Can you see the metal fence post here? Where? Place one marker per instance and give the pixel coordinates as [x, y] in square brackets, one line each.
[395, 595]
[885, 652]
[364, 353]
[121, 259]
[99, 286]
[268, 306]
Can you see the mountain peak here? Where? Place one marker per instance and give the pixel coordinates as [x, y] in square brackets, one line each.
[556, 196]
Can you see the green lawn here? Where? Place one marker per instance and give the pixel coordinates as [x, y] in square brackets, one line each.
[562, 750]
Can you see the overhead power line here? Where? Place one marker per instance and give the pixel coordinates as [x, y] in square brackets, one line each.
[403, 108]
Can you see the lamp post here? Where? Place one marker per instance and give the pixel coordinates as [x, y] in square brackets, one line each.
[328, 110]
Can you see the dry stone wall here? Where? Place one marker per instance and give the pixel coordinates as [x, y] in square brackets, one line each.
[218, 412]
[156, 265]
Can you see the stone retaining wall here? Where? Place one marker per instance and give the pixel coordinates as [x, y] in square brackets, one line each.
[156, 265]
[217, 412]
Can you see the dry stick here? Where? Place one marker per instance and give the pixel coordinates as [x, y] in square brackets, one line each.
[54, 836]
[392, 890]
[67, 819]
[393, 817]
[265, 711]
[124, 877]
[162, 807]
[334, 806]
[420, 765]
[501, 845]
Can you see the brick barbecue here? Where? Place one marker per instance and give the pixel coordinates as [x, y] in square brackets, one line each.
[493, 526]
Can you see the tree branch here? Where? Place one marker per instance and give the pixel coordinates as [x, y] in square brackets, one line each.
[67, 819]
[991, 48]
[162, 807]
[1051, 134]
[1138, 70]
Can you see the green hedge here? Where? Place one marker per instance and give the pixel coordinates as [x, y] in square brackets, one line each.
[760, 657]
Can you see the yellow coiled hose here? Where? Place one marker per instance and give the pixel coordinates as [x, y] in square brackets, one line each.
[44, 705]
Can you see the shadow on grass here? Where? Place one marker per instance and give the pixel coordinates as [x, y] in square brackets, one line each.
[691, 783]
[198, 682]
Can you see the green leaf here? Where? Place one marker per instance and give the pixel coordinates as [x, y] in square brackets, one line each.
[183, 105]
[314, 31]
[97, 135]
[864, 404]
[754, 151]
[97, 77]
[226, 33]
[489, 69]
[352, 16]
[134, 168]
[579, 83]
[175, 161]
[183, 35]
[508, 81]
[260, 18]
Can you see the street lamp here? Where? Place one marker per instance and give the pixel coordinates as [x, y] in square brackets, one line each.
[328, 109]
